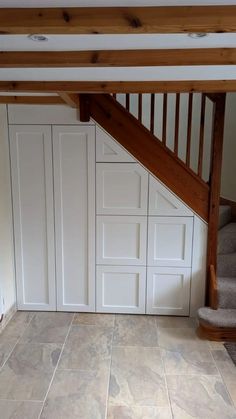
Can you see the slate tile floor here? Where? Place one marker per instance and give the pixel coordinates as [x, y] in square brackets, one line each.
[95, 366]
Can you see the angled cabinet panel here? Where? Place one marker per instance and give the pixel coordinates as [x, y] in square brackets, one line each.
[74, 185]
[163, 202]
[168, 291]
[121, 189]
[108, 150]
[121, 289]
[121, 240]
[170, 241]
[32, 186]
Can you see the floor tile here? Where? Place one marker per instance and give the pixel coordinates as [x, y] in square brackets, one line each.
[189, 362]
[48, 328]
[180, 339]
[131, 330]
[27, 373]
[227, 369]
[172, 321]
[137, 377]
[87, 347]
[77, 394]
[6, 346]
[18, 324]
[199, 397]
[128, 412]
[20, 410]
[94, 319]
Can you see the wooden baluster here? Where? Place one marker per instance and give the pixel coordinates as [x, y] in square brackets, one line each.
[127, 101]
[152, 113]
[164, 119]
[201, 139]
[177, 124]
[114, 95]
[189, 131]
[140, 107]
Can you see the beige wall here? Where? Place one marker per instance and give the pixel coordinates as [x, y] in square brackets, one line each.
[228, 183]
[7, 278]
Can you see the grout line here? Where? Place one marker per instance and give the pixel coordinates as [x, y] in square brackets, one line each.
[56, 367]
[108, 384]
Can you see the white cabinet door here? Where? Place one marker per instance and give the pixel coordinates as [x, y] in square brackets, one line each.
[164, 202]
[170, 241]
[121, 189]
[168, 291]
[121, 240]
[31, 163]
[74, 184]
[108, 150]
[121, 289]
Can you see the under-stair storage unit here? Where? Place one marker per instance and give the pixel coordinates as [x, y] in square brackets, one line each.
[64, 197]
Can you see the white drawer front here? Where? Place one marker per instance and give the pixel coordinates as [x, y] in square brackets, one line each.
[121, 240]
[168, 291]
[108, 150]
[121, 289]
[121, 189]
[170, 241]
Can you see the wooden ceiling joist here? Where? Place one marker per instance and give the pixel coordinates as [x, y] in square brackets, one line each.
[207, 86]
[118, 20]
[119, 58]
[32, 100]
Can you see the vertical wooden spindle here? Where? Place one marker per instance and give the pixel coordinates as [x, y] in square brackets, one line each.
[127, 101]
[164, 118]
[152, 113]
[114, 95]
[201, 139]
[140, 107]
[189, 131]
[176, 146]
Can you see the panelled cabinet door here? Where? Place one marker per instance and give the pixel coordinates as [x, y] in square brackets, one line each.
[108, 150]
[164, 202]
[170, 241]
[121, 189]
[168, 291]
[32, 185]
[74, 185]
[121, 289]
[121, 240]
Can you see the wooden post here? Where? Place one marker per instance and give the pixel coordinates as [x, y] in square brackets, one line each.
[84, 108]
[215, 183]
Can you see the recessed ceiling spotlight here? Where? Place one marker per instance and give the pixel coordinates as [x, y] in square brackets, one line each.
[38, 38]
[197, 35]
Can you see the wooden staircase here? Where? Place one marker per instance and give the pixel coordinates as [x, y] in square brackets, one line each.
[193, 170]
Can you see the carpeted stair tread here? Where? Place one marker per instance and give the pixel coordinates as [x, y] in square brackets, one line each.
[218, 318]
[226, 265]
[227, 239]
[224, 215]
[226, 292]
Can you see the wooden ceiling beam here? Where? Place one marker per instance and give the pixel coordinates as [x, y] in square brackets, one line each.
[31, 100]
[118, 20]
[207, 86]
[119, 58]
[71, 99]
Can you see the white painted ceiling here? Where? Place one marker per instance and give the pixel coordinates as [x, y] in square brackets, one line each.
[94, 42]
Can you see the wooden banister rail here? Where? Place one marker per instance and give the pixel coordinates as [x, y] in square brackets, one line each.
[213, 293]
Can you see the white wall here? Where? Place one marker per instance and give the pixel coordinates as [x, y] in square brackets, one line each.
[228, 180]
[7, 278]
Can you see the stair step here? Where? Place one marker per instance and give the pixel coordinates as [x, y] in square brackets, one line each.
[226, 265]
[227, 239]
[224, 215]
[218, 318]
[227, 292]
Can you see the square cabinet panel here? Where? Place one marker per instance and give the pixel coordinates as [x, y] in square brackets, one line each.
[121, 189]
[121, 289]
[121, 240]
[168, 291]
[170, 241]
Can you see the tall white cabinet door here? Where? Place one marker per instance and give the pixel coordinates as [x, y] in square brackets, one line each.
[31, 163]
[74, 185]
[168, 291]
[121, 189]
